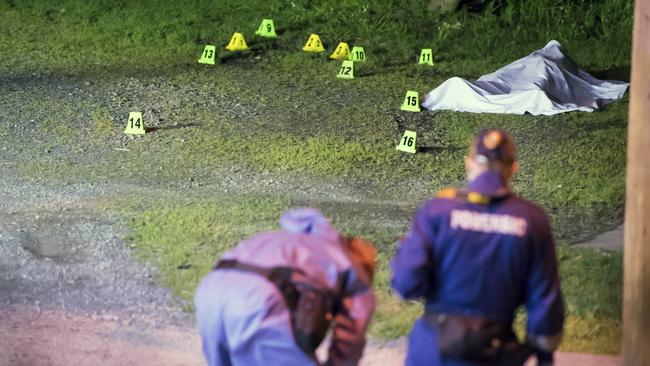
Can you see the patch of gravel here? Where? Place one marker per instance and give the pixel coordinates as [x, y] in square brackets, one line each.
[58, 252]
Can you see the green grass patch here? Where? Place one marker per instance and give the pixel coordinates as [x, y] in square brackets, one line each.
[184, 240]
[74, 35]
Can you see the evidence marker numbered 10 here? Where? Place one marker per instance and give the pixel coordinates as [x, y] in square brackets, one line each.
[358, 54]
[135, 124]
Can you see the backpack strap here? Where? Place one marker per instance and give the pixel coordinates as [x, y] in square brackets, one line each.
[279, 276]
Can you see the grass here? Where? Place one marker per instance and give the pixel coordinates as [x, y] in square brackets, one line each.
[72, 35]
[276, 110]
[184, 239]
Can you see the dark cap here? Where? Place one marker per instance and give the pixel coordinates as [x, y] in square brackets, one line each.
[494, 145]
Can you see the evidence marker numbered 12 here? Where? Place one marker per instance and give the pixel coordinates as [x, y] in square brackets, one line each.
[347, 70]
[135, 124]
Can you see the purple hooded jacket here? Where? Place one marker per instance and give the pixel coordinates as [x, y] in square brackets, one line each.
[242, 317]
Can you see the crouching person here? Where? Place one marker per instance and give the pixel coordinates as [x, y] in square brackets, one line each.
[271, 299]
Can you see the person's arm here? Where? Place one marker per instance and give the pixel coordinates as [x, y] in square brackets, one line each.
[351, 323]
[411, 264]
[544, 302]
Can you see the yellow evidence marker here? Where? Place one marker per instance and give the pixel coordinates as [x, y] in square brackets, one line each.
[411, 102]
[237, 43]
[407, 143]
[426, 57]
[266, 29]
[341, 53]
[135, 125]
[313, 44]
[347, 70]
[209, 55]
[357, 54]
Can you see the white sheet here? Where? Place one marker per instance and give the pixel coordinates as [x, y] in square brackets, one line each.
[544, 82]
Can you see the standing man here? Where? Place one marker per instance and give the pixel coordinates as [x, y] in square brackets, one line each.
[475, 256]
[271, 299]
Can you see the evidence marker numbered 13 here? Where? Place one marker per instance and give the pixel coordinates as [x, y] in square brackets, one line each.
[209, 55]
[135, 124]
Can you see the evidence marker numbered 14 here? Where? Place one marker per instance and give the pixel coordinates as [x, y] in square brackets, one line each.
[135, 124]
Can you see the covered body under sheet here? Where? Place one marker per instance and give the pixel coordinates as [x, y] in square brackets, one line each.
[544, 82]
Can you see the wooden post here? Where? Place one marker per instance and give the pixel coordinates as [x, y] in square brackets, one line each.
[636, 297]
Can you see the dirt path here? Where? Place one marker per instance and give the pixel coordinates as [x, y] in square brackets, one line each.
[610, 240]
[30, 337]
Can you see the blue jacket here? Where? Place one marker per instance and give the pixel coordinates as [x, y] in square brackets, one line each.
[243, 319]
[482, 258]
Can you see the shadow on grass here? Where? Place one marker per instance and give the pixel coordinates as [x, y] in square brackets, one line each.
[621, 72]
[175, 127]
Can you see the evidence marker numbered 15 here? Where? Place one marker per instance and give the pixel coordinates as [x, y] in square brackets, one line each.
[135, 124]
[411, 102]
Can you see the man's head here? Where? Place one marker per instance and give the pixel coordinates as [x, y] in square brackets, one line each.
[491, 150]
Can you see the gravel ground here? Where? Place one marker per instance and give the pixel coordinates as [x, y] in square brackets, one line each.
[58, 252]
